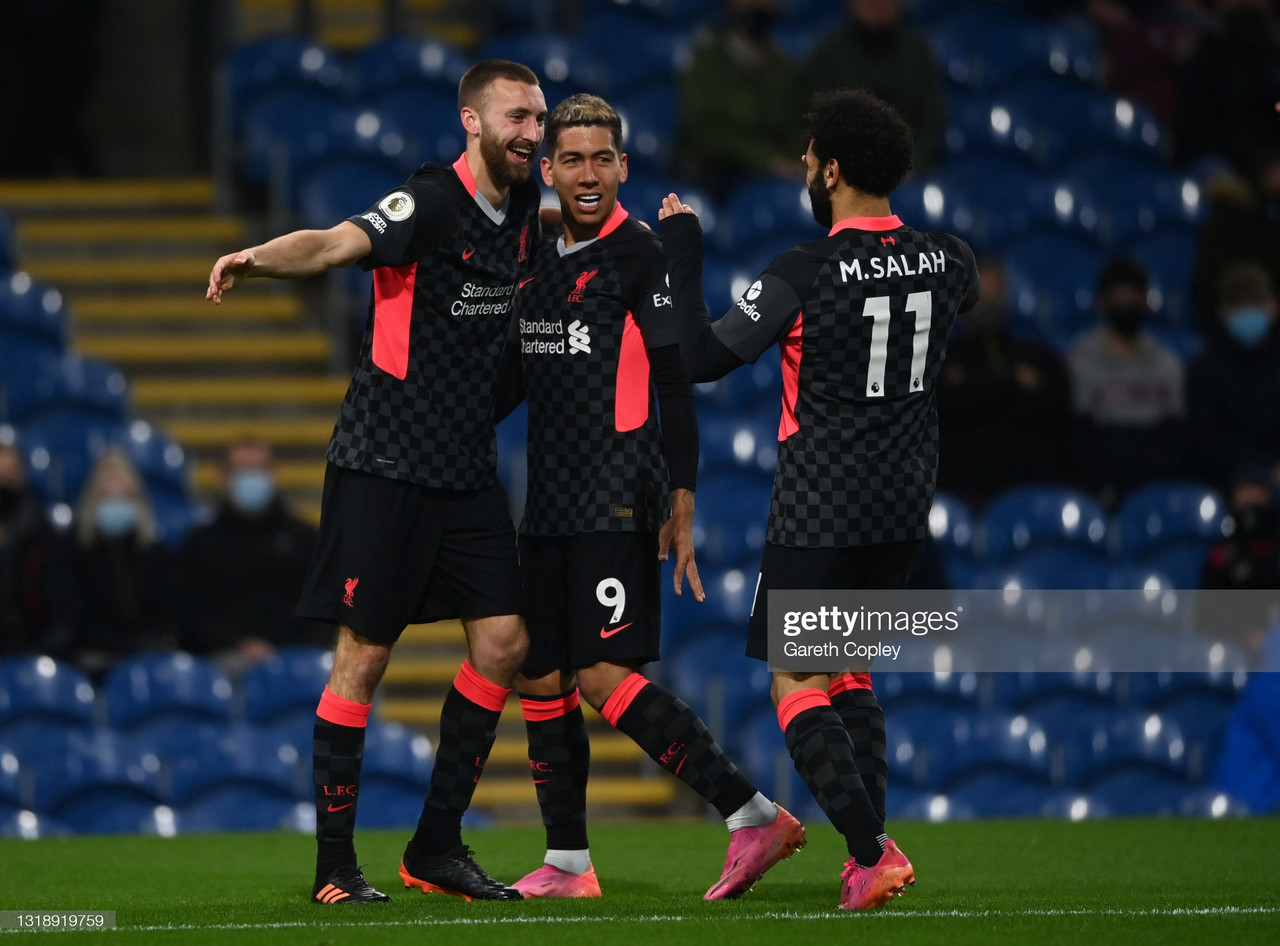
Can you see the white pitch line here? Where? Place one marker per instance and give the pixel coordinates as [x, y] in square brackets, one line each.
[833, 915]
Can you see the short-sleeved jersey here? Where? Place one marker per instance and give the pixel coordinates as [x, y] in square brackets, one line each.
[420, 404]
[585, 322]
[863, 318]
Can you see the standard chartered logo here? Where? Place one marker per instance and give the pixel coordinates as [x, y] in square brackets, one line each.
[579, 337]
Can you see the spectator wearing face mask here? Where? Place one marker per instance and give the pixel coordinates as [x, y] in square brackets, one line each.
[1127, 390]
[1004, 403]
[124, 574]
[36, 580]
[1233, 388]
[243, 571]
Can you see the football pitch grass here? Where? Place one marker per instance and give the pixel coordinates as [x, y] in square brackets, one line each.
[1096, 882]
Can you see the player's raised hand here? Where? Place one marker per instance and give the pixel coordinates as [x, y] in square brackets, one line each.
[671, 205]
[228, 272]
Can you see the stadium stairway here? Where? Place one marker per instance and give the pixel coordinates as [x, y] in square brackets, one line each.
[132, 257]
[352, 24]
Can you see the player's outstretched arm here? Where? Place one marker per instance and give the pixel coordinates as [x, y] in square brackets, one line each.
[291, 256]
[677, 534]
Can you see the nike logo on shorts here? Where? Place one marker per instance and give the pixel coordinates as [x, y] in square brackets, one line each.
[607, 634]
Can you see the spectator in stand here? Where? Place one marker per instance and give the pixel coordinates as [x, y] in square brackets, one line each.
[36, 585]
[1243, 223]
[124, 574]
[739, 102]
[1128, 392]
[878, 50]
[1004, 403]
[1233, 388]
[244, 570]
[1228, 87]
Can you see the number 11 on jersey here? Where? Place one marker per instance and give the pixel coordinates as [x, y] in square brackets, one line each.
[877, 308]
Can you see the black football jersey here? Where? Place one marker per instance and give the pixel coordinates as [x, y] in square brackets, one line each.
[585, 322]
[862, 317]
[420, 404]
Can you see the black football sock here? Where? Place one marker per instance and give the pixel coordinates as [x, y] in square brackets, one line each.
[864, 719]
[823, 754]
[337, 750]
[468, 724]
[675, 737]
[559, 760]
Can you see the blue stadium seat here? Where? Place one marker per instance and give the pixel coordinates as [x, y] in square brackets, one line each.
[714, 676]
[23, 825]
[70, 383]
[750, 389]
[768, 215]
[1181, 562]
[394, 752]
[935, 809]
[41, 688]
[1074, 806]
[728, 605]
[12, 786]
[1127, 740]
[1191, 665]
[650, 128]
[982, 743]
[563, 65]
[117, 811]
[428, 116]
[293, 678]
[1001, 794]
[238, 807]
[140, 688]
[1135, 198]
[1203, 717]
[391, 803]
[732, 509]
[937, 203]
[1140, 792]
[951, 524]
[277, 62]
[240, 755]
[285, 129]
[760, 748]
[396, 62]
[61, 449]
[1055, 697]
[981, 123]
[8, 248]
[1169, 259]
[1007, 199]
[1013, 49]
[1211, 803]
[101, 767]
[341, 188]
[1028, 517]
[1072, 119]
[656, 51]
[724, 280]
[746, 443]
[1160, 515]
[957, 690]
[32, 311]
[1052, 279]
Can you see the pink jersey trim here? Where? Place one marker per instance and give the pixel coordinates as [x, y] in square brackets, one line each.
[631, 392]
[392, 317]
[866, 223]
[792, 349]
[463, 170]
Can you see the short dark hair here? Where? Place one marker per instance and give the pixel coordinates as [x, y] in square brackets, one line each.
[1244, 283]
[475, 81]
[1123, 271]
[582, 111]
[866, 135]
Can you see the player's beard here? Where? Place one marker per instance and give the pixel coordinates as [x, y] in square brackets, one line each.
[502, 170]
[820, 199]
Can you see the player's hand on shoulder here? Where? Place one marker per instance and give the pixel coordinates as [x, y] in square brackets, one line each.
[228, 272]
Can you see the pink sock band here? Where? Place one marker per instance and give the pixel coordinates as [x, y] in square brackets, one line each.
[478, 690]
[538, 711]
[621, 698]
[850, 681]
[341, 711]
[796, 703]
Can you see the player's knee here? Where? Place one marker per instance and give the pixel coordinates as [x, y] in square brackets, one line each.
[596, 684]
[501, 650]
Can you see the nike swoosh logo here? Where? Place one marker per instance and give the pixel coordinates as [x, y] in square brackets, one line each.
[468, 252]
[606, 634]
[333, 808]
[525, 282]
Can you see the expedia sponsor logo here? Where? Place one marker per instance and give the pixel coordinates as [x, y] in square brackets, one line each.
[397, 206]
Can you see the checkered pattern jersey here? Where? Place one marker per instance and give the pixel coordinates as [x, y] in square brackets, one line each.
[863, 318]
[420, 404]
[585, 323]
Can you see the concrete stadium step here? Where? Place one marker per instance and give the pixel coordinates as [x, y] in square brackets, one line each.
[183, 308]
[202, 348]
[607, 746]
[272, 392]
[51, 196]
[495, 791]
[70, 273]
[127, 232]
[197, 433]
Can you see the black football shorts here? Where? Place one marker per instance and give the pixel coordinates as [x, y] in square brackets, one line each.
[784, 568]
[591, 598]
[392, 553]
